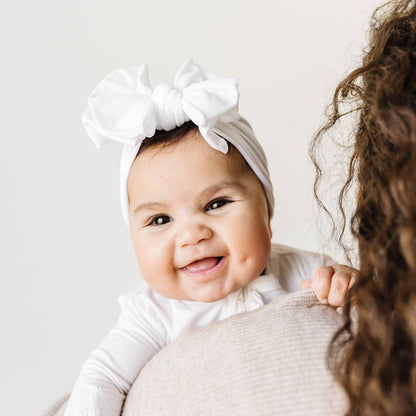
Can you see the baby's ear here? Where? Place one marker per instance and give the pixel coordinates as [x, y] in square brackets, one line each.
[270, 229]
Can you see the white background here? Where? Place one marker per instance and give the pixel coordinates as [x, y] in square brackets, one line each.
[65, 251]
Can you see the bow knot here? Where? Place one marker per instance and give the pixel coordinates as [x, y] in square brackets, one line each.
[168, 107]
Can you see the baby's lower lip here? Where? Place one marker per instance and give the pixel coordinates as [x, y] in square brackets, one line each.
[202, 266]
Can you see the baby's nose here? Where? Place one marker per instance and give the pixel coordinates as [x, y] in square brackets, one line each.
[193, 232]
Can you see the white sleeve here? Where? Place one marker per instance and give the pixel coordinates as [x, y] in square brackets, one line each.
[292, 265]
[111, 369]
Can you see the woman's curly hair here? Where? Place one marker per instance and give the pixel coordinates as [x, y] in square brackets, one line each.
[373, 356]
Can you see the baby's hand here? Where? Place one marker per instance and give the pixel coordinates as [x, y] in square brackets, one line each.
[331, 283]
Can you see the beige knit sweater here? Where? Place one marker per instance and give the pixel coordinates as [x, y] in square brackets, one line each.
[267, 362]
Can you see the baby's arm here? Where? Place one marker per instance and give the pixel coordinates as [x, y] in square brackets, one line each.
[111, 369]
[331, 283]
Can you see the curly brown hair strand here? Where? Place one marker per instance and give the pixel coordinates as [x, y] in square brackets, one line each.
[374, 356]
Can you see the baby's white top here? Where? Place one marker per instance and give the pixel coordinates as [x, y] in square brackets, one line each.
[149, 321]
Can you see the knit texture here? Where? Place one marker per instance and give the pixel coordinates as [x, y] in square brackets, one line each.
[268, 362]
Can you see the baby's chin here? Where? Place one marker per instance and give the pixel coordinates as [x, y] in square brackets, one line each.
[206, 294]
[209, 298]
[213, 294]
[212, 291]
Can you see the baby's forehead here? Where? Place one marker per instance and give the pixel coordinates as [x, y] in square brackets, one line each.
[177, 147]
[188, 164]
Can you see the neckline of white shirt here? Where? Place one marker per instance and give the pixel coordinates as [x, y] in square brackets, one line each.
[261, 284]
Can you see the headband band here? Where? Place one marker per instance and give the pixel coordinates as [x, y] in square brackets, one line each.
[124, 108]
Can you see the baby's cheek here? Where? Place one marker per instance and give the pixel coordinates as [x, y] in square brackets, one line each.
[258, 252]
[154, 261]
[144, 267]
[251, 261]
[145, 257]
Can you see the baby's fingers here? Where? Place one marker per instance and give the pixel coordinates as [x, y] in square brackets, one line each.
[342, 280]
[322, 282]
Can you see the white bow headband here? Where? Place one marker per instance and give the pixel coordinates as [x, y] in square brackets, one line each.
[124, 108]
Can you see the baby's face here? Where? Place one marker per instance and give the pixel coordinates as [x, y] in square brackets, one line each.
[198, 219]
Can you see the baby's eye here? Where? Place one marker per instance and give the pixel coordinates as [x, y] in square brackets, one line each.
[218, 203]
[160, 220]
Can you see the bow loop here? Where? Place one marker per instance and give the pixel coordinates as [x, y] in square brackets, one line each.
[188, 74]
[207, 101]
[120, 108]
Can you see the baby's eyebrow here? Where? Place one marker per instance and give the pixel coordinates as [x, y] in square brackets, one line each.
[148, 206]
[222, 186]
[210, 190]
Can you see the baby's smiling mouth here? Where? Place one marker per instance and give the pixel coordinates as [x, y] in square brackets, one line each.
[202, 265]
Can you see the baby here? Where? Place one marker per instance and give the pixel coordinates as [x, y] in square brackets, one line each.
[197, 197]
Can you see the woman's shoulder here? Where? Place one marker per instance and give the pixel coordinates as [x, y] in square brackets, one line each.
[281, 346]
